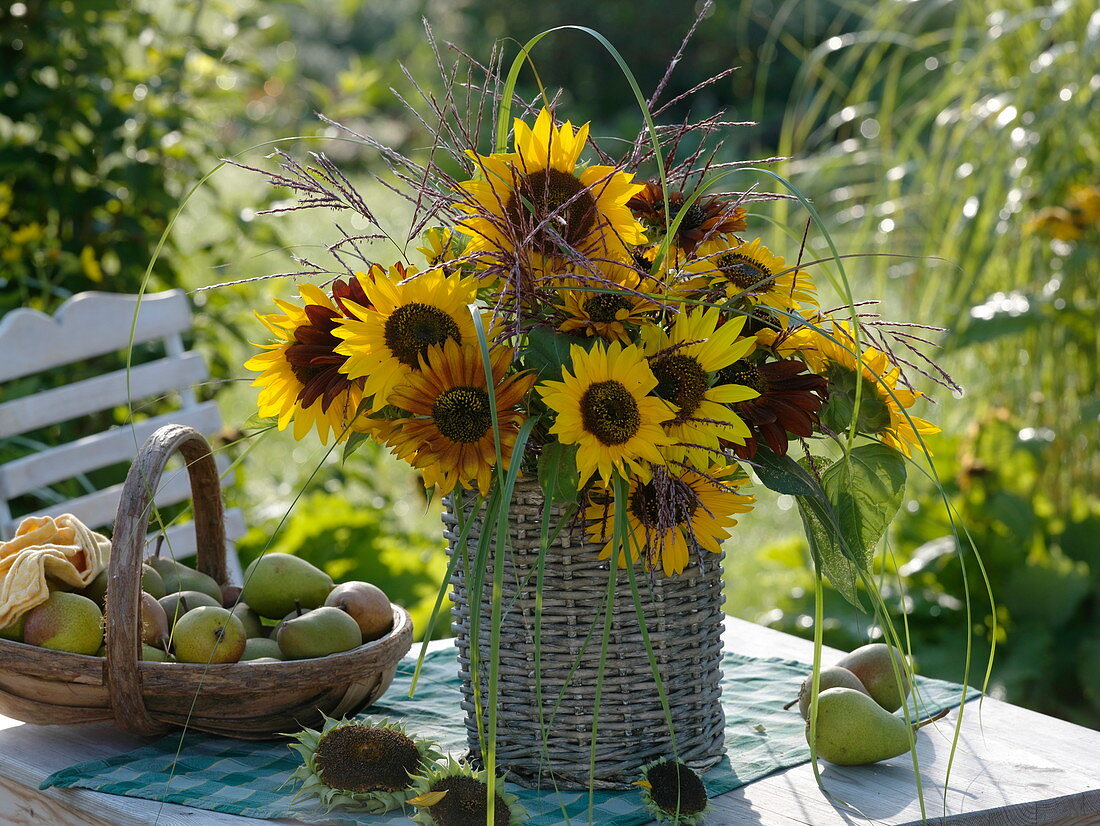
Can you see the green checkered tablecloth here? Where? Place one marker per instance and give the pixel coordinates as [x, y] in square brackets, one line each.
[250, 778]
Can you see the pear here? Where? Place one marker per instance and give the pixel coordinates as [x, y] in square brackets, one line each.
[151, 653]
[14, 631]
[853, 730]
[151, 583]
[249, 619]
[178, 577]
[832, 676]
[208, 634]
[365, 603]
[65, 622]
[154, 622]
[261, 647]
[274, 581]
[318, 633]
[177, 604]
[871, 665]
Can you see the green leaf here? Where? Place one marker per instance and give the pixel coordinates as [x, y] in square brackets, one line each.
[827, 547]
[558, 475]
[865, 487]
[782, 473]
[355, 439]
[547, 351]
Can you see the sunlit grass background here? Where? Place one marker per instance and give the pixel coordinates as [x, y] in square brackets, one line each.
[927, 134]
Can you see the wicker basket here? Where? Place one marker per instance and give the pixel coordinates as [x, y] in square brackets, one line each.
[248, 700]
[684, 618]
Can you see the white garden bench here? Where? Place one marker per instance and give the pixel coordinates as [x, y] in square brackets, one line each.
[86, 327]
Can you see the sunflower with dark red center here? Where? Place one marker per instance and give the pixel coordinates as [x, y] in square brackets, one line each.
[534, 205]
[301, 373]
[450, 436]
[707, 219]
[829, 349]
[752, 274]
[789, 401]
[683, 360]
[408, 313]
[672, 515]
[604, 406]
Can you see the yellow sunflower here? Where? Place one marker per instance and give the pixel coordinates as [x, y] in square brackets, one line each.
[534, 199]
[598, 310]
[409, 313]
[300, 372]
[604, 407]
[449, 436]
[683, 360]
[752, 273]
[672, 515]
[882, 398]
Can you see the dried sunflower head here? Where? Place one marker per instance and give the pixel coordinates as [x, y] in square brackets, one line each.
[360, 766]
[673, 792]
[455, 794]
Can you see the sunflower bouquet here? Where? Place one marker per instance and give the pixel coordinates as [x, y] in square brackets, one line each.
[640, 331]
[612, 333]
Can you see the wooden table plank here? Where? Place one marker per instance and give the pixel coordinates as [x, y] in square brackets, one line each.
[1012, 766]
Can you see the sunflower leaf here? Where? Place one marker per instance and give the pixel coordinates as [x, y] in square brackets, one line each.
[782, 473]
[547, 351]
[866, 488]
[558, 475]
[352, 444]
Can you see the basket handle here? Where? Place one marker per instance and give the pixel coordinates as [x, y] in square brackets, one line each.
[122, 616]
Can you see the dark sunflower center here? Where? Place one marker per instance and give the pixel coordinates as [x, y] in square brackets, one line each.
[743, 372]
[413, 328]
[694, 216]
[610, 413]
[466, 803]
[682, 381]
[462, 413]
[555, 202]
[604, 307]
[364, 759]
[744, 273]
[660, 509]
[677, 788]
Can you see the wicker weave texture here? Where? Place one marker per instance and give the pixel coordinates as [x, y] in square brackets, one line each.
[684, 619]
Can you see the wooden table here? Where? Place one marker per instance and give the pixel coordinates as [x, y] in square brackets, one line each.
[1012, 767]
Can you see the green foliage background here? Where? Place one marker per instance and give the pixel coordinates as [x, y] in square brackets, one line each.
[925, 132]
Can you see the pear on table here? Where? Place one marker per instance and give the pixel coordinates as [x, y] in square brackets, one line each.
[872, 665]
[832, 676]
[854, 730]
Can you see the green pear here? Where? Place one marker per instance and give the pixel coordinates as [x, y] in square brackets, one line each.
[178, 577]
[261, 647]
[208, 634]
[871, 665]
[318, 633]
[365, 603]
[65, 622]
[249, 619]
[151, 583]
[151, 653]
[154, 622]
[853, 730]
[832, 676]
[177, 604]
[14, 631]
[274, 581]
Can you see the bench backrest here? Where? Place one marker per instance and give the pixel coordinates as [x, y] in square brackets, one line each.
[89, 335]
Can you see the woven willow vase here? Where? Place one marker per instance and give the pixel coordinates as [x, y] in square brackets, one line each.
[684, 618]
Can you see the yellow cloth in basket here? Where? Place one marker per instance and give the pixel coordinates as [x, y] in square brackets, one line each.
[63, 549]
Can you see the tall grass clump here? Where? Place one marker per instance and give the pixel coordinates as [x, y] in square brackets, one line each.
[958, 145]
